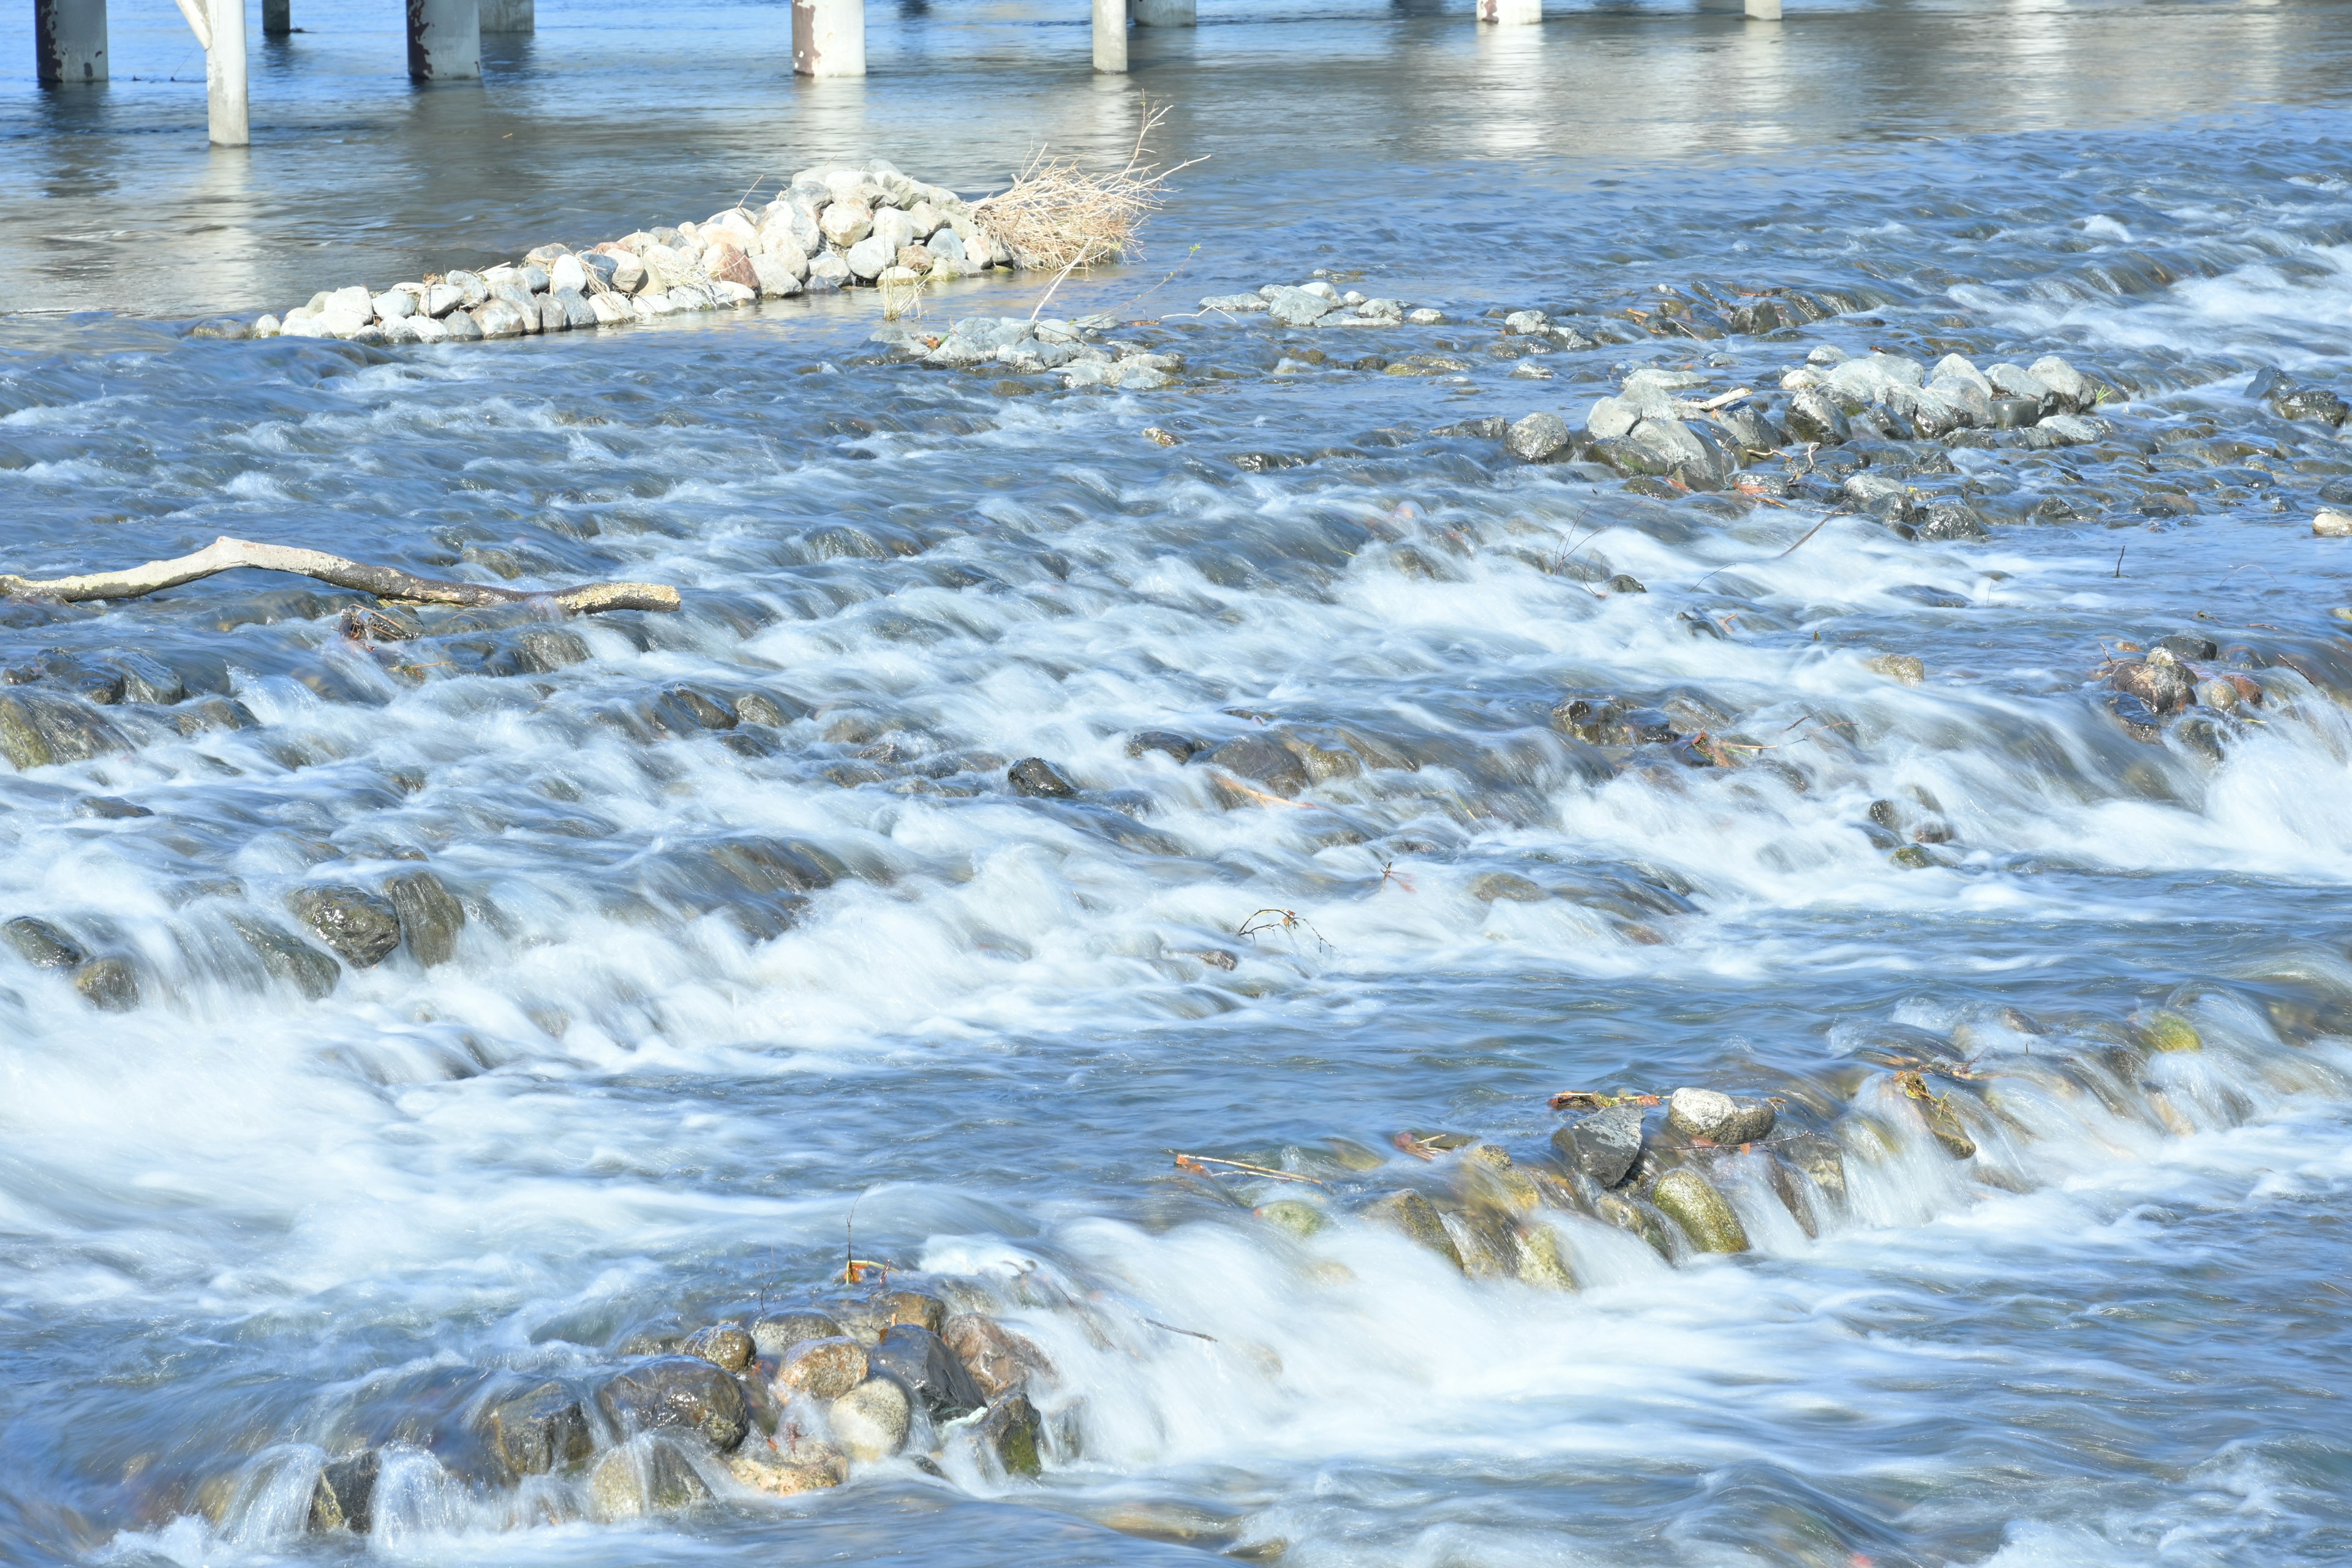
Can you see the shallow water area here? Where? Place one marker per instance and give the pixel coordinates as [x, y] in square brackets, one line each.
[736, 951]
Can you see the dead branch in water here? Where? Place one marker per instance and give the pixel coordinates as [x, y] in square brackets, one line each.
[226, 555]
[1055, 216]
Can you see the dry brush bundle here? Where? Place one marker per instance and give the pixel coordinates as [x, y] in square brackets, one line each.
[1058, 217]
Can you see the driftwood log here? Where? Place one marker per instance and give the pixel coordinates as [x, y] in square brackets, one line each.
[225, 554]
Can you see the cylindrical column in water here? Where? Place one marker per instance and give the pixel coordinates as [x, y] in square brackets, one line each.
[225, 90]
[69, 41]
[1167, 12]
[444, 40]
[1110, 36]
[277, 18]
[829, 37]
[510, 16]
[1511, 13]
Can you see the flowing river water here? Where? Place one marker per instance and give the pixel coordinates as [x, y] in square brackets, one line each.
[754, 929]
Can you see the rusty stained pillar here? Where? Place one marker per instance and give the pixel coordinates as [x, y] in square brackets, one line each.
[444, 40]
[68, 42]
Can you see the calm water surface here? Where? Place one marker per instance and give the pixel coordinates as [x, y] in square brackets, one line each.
[715, 983]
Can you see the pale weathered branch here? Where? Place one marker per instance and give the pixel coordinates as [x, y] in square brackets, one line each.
[225, 554]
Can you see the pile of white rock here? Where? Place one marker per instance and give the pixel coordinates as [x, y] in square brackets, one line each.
[834, 227]
[1319, 303]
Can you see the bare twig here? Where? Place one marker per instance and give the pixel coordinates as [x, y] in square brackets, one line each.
[1194, 1163]
[226, 555]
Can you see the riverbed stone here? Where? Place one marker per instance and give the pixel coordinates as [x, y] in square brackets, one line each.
[724, 1345]
[1264, 762]
[868, 257]
[1300, 1219]
[871, 1420]
[1011, 1433]
[1417, 1218]
[344, 1497]
[287, 958]
[1540, 1262]
[823, 1369]
[1705, 1214]
[1539, 438]
[501, 319]
[360, 927]
[543, 1430]
[1635, 1218]
[109, 985]
[2163, 685]
[776, 275]
[641, 1478]
[1944, 1125]
[1821, 1157]
[1036, 776]
[788, 1471]
[462, 327]
[1603, 1145]
[844, 223]
[998, 1359]
[43, 945]
[1299, 308]
[1814, 420]
[680, 1393]
[611, 309]
[778, 1333]
[921, 1359]
[827, 272]
[1716, 1117]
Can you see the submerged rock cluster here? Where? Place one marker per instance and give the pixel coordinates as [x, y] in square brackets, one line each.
[835, 226]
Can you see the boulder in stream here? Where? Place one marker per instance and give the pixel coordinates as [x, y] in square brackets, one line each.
[362, 927]
[778, 1333]
[1417, 1217]
[921, 1359]
[871, 1420]
[1010, 1433]
[1716, 1117]
[646, 1475]
[1603, 1145]
[677, 1393]
[998, 1359]
[344, 1495]
[823, 1369]
[539, 1431]
[1705, 1215]
[723, 1346]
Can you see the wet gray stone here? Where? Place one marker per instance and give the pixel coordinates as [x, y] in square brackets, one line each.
[1603, 1145]
[1036, 776]
[109, 985]
[429, 916]
[1262, 761]
[1539, 438]
[360, 927]
[680, 1393]
[289, 959]
[543, 1430]
[41, 944]
[930, 1372]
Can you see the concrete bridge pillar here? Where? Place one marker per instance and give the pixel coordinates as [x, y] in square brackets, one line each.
[225, 101]
[1110, 36]
[277, 18]
[510, 16]
[444, 40]
[829, 37]
[1167, 12]
[69, 41]
[1511, 13]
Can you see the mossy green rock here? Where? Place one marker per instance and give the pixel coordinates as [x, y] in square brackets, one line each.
[2168, 1031]
[1417, 1217]
[1540, 1261]
[1634, 1220]
[1288, 1214]
[1707, 1217]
